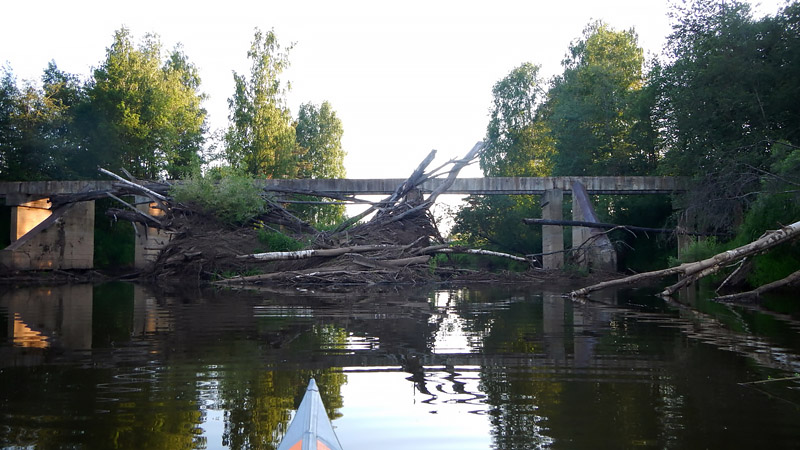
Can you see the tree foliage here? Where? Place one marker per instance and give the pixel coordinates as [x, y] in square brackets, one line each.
[318, 133]
[593, 108]
[139, 111]
[592, 120]
[517, 144]
[319, 138]
[261, 139]
[145, 113]
[36, 135]
[725, 100]
[719, 107]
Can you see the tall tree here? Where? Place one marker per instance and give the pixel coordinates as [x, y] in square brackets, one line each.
[9, 133]
[726, 100]
[261, 139]
[36, 139]
[145, 113]
[319, 141]
[517, 144]
[591, 107]
[319, 138]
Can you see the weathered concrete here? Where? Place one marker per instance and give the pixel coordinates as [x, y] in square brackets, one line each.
[599, 254]
[465, 186]
[579, 234]
[67, 244]
[149, 241]
[494, 185]
[41, 317]
[552, 235]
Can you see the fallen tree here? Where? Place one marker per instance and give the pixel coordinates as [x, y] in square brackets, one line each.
[632, 228]
[691, 272]
[791, 280]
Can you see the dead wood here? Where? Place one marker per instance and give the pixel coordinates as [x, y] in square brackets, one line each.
[790, 280]
[693, 271]
[389, 263]
[580, 223]
[395, 245]
[303, 254]
[147, 217]
[444, 249]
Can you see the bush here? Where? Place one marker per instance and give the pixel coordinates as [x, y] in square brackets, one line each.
[278, 242]
[233, 199]
[699, 249]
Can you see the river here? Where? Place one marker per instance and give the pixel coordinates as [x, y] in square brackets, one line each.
[120, 366]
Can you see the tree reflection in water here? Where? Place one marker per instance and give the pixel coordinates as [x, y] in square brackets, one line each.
[118, 366]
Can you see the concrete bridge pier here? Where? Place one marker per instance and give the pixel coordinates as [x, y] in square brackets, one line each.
[149, 241]
[596, 250]
[45, 239]
[552, 235]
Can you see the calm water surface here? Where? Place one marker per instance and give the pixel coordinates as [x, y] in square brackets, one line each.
[118, 366]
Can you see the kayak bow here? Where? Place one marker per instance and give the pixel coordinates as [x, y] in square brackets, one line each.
[310, 428]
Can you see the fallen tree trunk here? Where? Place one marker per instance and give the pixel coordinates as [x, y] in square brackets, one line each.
[581, 223]
[325, 252]
[298, 274]
[389, 263]
[474, 251]
[691, 272]
[755, 293]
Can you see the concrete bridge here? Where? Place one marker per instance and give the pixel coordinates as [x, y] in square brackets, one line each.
[45, 239]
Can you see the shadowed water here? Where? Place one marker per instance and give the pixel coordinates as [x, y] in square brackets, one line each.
[118, 366]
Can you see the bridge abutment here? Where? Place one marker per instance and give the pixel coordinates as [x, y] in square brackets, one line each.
[46, 239]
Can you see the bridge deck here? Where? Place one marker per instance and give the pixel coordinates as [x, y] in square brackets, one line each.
[464, 186]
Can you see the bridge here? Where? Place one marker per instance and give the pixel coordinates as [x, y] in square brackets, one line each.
[41, 239]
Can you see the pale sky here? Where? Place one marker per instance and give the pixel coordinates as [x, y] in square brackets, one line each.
[404, 77]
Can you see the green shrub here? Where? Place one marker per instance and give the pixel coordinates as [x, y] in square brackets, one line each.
[278, 242]
[699, 249]
[233, 199]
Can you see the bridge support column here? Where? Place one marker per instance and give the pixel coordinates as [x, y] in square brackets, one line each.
[41, 242]
[579, 234]
[552, 235]
[599, 253]
[149, 241]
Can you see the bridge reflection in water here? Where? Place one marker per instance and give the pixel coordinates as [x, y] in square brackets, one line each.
[119, 366]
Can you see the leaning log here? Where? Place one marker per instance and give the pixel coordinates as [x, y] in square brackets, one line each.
[581, 223]
[792, 279]
[693, 271]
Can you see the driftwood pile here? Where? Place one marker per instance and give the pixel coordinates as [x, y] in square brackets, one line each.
[395, 245]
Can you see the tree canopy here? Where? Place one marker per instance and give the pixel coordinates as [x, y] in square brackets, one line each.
[141, 109]
[261, 139]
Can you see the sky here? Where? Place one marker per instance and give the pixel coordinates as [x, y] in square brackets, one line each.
[404, 77]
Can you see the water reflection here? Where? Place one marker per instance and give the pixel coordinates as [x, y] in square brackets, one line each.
[119, 366]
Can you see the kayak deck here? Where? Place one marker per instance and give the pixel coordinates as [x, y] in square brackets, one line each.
[310, 429]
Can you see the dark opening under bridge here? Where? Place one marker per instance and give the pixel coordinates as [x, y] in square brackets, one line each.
[39, 241]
